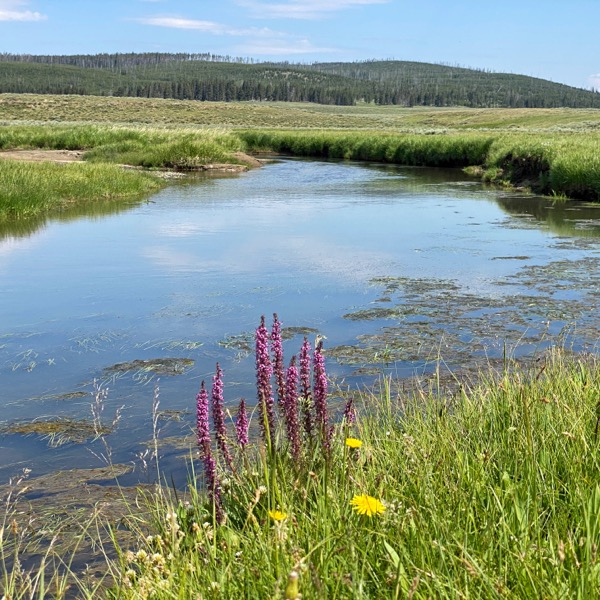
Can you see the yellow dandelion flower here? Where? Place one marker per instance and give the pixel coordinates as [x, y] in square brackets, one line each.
[277, 515]
[367, 505]
[353, 443]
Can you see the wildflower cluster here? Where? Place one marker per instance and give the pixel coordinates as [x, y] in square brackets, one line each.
[301, 398]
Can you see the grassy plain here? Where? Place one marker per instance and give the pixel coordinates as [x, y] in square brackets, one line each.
[552, 151]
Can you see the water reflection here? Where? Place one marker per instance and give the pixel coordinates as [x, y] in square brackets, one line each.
[409, 263]
[91, 210]
[569, 218]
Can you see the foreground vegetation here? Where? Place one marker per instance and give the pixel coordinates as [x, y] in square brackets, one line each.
[488, 492]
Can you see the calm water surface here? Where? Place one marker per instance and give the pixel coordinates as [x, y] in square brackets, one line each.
[407, 263]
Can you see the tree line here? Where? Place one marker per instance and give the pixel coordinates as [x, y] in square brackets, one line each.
[209, 77]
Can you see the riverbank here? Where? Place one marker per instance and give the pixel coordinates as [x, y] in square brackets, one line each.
[557, 164]
[488, 492]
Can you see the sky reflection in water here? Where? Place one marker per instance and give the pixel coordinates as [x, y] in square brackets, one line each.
[195, 266]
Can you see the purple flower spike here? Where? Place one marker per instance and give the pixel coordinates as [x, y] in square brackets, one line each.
[242, 424]
[305, 392]
[202, 424]
[291, 409]
[278, 368]
[264, 370]
[210, 468]
[349, 412]
[218, 414]
[320, 395]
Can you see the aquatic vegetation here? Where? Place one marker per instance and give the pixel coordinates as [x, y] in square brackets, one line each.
[57, 431]
[158, 366]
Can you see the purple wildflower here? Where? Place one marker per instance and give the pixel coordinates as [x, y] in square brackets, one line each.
[320, 395]
[242, 424]
[349, 412]
[202, 424]
[210, 467]
[278, 368]
[305, 393]
[264, 370]
[218, 414]
[291, 409]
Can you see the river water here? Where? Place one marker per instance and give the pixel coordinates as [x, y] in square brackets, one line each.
[397, 267]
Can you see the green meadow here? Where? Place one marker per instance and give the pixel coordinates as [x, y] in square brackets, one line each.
[552, 152]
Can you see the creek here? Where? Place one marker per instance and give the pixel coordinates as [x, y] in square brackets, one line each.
[400, 268]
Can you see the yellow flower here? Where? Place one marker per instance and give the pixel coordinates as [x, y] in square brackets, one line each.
[367, 505]
[277, 515]
[353, 443]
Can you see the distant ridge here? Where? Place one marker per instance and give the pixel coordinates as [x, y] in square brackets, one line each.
[210, 77]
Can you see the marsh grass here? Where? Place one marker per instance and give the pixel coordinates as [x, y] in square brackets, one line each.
[30, 190]
[557, 164]
[490, 493]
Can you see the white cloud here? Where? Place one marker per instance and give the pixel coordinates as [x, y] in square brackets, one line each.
[204, 26]
[282, 48]
[10, 11]
[595, 81]
[302, 9]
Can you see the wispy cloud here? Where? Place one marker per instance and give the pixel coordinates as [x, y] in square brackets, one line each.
[204, 26]
[595, 81]
[301, 9]
[288, 47]
[11, 10]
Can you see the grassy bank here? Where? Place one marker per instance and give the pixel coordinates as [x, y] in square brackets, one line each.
[548, 163]
[29, 190]
[34, 189]
[491, 492]
[552, 152]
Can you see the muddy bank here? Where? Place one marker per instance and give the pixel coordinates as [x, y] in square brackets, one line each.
[243, 161]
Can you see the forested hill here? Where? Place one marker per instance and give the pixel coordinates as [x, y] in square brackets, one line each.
[219, 78]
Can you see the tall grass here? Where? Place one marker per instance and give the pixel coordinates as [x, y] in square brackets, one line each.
[492, 493]
[32, 189]
[549, 163]
[28, 190]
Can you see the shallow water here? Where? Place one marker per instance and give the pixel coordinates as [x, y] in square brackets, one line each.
[398, 267]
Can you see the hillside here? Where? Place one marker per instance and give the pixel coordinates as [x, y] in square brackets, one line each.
[212, 78]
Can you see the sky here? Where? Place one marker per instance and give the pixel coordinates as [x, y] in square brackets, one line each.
[557, 40]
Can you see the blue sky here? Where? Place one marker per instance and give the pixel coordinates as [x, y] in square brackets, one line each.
[553, 39]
